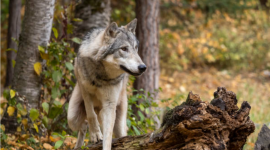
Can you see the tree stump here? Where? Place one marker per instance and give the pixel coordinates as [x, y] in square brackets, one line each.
[196, 125]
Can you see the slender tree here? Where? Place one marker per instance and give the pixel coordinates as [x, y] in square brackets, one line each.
[147, 13]
[94, 14]
[36, 30]
[14, 27]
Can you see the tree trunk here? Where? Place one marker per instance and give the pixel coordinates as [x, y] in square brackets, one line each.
[94, 14]
[36, 30]
[196, 125]
[14, 28]
[147, 12]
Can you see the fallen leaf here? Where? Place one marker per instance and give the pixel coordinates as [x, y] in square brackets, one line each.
[47, 146]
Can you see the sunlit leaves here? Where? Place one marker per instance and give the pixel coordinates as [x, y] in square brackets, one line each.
[11, 110]
[41, 49]
[55, 32]
[38, 68]
[69, 66]
[58, 144]
[56, 76]
[21, 109]
[45, 107]
[36, 127]
[76, 40]
[12, 93]
[34, 114]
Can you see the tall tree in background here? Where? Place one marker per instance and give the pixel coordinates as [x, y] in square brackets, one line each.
[94, 14]
[36, 30]
[14, 27]
[147, 13]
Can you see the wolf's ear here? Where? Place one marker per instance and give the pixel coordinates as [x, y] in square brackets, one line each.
[112, 30]
[132, 26]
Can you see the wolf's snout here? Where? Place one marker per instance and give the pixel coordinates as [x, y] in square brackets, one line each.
[142, 68]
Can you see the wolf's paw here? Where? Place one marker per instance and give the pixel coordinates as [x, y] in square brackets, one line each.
[95, 136]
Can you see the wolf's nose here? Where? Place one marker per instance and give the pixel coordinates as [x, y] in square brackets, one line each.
[142, 68]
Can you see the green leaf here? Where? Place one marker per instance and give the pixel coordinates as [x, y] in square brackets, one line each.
[69, 28]
[76, 40]
[45, 107]
[12, 93]
[141, 115]
[22, 110]
[64, 133]
[55, 32]
[137, 132]
[69, 66]
[45, 121]
[57, 103]
[58, 144]
[128, 123]
[34, 114]
[56, 76]
[54, 112]
[77, 20]
[55, 92]
[40, 48]
[11, 49]
[13, 63]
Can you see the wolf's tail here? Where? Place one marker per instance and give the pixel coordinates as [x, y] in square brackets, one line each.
[76, 110]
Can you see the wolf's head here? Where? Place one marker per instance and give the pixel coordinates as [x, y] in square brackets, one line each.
[122, 52]
[116, 48]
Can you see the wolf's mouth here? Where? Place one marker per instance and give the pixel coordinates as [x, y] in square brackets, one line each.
[128, 71]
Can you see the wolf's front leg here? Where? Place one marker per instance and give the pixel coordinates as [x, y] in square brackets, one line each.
[94, 129]
[120, 126]
[108, 113]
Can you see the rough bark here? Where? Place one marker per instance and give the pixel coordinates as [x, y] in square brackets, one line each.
[196, 125]
[36, 30]
[94, 14]
[147, 13]
[14, 28]
[263, 141]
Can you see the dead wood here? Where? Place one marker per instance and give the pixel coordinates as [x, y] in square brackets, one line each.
[196, 125]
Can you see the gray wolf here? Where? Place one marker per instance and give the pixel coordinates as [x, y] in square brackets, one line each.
[99, 99]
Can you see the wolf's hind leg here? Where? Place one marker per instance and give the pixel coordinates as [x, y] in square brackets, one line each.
[81, 135]
[77, 115]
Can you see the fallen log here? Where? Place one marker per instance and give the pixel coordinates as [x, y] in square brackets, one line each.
[196, 125]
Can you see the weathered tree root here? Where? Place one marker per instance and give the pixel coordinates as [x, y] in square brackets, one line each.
[196, 125]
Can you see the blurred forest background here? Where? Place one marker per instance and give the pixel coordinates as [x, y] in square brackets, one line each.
[203, 44]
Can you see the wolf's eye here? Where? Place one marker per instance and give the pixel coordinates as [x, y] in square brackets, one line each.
[136, 46]
[124, 49]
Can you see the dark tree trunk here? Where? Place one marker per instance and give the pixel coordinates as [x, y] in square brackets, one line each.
[196, 125]
[14, 28]
[94, 14]
[147, 12]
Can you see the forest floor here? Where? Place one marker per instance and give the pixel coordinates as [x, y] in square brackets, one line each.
[251, 87]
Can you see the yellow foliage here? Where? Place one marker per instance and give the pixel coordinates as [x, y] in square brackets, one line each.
[3, 127]
[24, 121]
[36, 127]
[44, 56]
[38, 67]
[12, 93]
[1, 111]
[10, 110]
